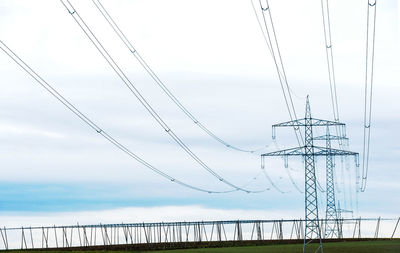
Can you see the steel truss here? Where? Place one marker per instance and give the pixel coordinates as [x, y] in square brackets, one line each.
[308, 152]
[332, 228]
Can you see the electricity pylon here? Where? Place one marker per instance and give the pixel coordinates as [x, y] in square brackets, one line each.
[332, 227]
[308, 152]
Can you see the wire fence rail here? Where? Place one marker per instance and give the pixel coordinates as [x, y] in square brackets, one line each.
[72, 236]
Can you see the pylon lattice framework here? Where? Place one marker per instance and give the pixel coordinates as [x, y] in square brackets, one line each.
[332, 227]
[309, 151]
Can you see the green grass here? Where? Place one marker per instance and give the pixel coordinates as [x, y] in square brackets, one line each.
[338, 247]
[389, 246]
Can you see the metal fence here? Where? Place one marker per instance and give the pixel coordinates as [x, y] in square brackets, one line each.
[177, 232]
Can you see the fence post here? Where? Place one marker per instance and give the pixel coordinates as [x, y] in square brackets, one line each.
[4, 237]
[395, 227]
[30, 230]
[23, 239]
[377, 228]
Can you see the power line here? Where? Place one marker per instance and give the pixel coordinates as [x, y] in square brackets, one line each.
[326, 21]
[329, 57]
[331, 70]
[261, 27]
[266, 40]
[279, 73]
[72, 11]
[273, 45]
[350, 183]
[287, 170]
[333, 94]
[160, 83]
[268, 177]
[344, 190]
[91, 124]
[268, 31]
[357, 179]
[369, 77]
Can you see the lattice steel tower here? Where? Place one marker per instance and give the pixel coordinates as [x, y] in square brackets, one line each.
[309, 151]
[332, 227]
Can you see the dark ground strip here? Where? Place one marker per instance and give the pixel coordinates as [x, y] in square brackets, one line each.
[193, 245]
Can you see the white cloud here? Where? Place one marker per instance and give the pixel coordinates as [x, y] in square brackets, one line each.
[211, 55]
[138, 215]
[14, 129]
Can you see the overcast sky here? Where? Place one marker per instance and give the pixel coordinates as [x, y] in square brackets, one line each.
[212, 56]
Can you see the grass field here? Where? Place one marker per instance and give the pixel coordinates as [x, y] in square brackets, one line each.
[388, 246]
[333, 247]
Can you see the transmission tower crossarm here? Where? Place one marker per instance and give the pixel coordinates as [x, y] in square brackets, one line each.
[314, 122]
[323, 151]
[318, 151]
[329, 137]
[299, 151]
[292, 123]
[322, 122]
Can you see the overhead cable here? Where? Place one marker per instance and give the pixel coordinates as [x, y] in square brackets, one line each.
[160, 83]
[276, 55]
[261, 26]
[319, 186]
[329, 58]
[72, 11]
[273, 45]
[344, 189]
[269, 178]
[268, 31]
[93, 125]
[287, 167]
[350, 183]
[326, 21]
[369, 78]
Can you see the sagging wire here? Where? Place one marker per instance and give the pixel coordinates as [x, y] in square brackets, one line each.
[343, 183]
[50, 89]
[273, 45]
[287, 167]
[87, 31]
[330, 63]
[269, 178]
[100, 7]
[368, 91]
[349, 182]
